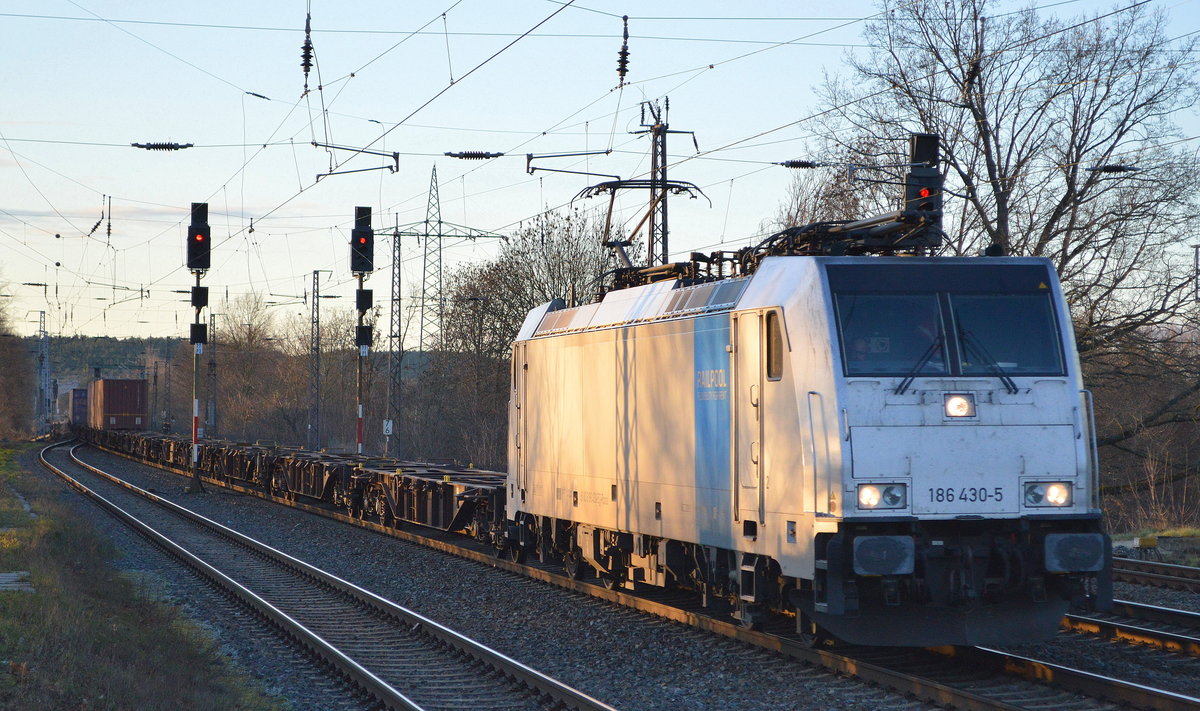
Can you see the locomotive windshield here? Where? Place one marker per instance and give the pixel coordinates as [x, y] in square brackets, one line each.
[1014, 332]
[977, 320]
[892, 334]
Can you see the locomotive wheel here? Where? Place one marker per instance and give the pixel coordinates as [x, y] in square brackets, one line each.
[506, 550]
[811, 634]
[749, 614]
[574, 566]
[611, 581]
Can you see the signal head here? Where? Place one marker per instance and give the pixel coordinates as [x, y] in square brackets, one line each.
[362, 242]
[199, 247]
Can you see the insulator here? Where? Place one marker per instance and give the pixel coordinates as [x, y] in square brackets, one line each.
[306, 50]
[162, 146]
[473, 155]
[1114, 169]
[623, 55]
[799, 164]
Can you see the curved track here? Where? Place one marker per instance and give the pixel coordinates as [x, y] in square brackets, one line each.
[397, 657]
[973, 678]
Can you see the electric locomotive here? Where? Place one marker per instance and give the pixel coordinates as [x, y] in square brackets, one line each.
[898, 450]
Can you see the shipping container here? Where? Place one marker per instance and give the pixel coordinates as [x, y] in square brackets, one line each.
[79, 407]
[118, 405]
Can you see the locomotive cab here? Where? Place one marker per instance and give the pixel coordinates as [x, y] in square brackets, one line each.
[967, 456]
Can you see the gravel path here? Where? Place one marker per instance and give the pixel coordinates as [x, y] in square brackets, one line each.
[628, 659]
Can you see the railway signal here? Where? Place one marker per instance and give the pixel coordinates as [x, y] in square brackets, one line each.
[199, 239]
[362, 242]
[923, 182]
[362, 260]
[199, 259]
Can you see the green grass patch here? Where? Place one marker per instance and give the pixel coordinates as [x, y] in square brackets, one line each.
[89, 637]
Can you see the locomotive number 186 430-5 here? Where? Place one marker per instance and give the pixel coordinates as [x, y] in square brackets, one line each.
[971, 494]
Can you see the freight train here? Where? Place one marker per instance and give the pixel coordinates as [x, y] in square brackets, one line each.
[893, 448]
[896, 450]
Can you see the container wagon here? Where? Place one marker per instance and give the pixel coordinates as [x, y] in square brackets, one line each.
[117, 404]
[78, 406]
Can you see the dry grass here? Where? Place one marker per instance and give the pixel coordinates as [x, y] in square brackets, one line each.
[89, 639]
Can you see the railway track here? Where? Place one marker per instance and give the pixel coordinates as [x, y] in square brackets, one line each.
[1160, 627]
[974, 678]
[1162, 575]
[392, 655]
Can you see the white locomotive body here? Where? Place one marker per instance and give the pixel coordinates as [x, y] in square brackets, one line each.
[897, 449]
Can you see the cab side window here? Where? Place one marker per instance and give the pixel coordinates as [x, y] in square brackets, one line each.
[774, 346]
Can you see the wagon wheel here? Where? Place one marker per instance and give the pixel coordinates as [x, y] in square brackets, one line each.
[380, 506]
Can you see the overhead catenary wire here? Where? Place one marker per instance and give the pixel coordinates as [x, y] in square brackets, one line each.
[710, 155]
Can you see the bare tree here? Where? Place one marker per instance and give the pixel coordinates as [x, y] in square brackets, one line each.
[557, 255]
[17, 382]
[1041, 120]
[458, 407]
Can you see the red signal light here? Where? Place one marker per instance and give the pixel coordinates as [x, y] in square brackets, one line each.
[924, 192]
[199, 237]
[362, 240]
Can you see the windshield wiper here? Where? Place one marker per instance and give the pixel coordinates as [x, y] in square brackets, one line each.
[972, 344]
[925, 358]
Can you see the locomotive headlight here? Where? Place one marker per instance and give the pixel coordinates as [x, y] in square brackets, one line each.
[1047, 493]
[1058, 494]
[868, 496]
[882, 496]
[959, 404]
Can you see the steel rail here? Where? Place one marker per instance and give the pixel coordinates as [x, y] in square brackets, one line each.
[1087, 683]
[1167, 575]
[535, 680]
[923, 688]
[360, 676]
[1133, 634]
[1154, 613]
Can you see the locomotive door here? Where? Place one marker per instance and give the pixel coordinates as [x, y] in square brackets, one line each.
[748, 415]
[517, 415]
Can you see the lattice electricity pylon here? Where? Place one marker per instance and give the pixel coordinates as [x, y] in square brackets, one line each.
[43, 356]
[210, 408]
[395, 352]
[657, 128]
[313, 438]
[433, 231]
[431, 267]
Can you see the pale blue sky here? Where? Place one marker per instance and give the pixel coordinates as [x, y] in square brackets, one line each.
[84, 79]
